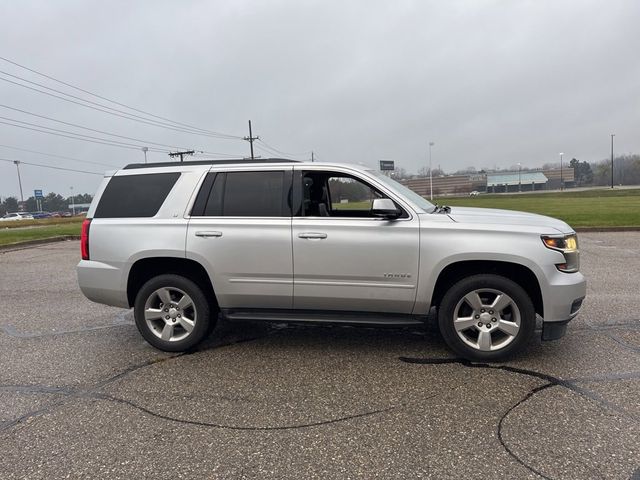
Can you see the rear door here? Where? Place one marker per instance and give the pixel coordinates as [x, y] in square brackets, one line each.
[240, 230]
[346, 259]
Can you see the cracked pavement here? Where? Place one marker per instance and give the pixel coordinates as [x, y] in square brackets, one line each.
[82, 395]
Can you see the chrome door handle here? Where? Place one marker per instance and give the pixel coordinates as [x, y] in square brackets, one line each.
[208, 234]
[312, 235]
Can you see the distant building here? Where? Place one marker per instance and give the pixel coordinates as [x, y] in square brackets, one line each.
[448, 184]
[516, 182]
[498, 182]
[554, 175]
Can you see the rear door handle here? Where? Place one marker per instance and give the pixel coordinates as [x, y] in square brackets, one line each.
[312, 235]
[208, 234]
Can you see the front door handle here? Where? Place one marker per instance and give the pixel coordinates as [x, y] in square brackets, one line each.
[208, 234]
[312, 235]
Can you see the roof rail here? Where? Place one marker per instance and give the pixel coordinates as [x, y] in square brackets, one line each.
[210, 162]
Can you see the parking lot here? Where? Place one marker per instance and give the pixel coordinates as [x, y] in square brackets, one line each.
[82, 395]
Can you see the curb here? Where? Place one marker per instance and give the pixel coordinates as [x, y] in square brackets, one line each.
[12, 247]
[606, 229]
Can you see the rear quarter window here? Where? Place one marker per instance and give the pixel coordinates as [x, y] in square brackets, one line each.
[135, 195]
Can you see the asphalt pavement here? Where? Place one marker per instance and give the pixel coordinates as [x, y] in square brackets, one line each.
[83, 396]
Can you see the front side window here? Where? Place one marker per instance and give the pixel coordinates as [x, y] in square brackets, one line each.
[347, 193]
[242, 194]
[333, 194]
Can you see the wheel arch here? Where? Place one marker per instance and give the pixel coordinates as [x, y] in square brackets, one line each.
[146, 268]
[520, 274]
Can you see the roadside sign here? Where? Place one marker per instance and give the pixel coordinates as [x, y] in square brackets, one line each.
[38, 194]
[386, 165]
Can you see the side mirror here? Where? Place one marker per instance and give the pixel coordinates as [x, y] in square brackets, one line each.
[385, 208]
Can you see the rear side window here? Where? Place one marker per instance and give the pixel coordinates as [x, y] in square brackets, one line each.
[244, 194]
[135, 195]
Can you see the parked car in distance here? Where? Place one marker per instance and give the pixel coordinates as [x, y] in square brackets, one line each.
[474, 193]
[183, 243]
[16, 216]
[37, 215]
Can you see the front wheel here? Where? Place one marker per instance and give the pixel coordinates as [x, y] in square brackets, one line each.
[486, 317]
[172, 313]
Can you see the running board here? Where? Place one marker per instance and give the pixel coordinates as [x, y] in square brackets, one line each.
[322, 316]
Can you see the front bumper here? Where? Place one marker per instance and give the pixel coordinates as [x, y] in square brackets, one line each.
[562, 298]
[562, 295]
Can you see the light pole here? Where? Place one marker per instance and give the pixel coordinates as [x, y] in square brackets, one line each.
[431, 144]
[612, 135]
[73, 203]
[145, 150]
[17, 162]
[561, 177]
[519, 177]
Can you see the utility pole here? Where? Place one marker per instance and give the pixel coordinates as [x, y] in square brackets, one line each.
[17, 162]
[250, 139]
[145, 150]
[181, 154]
[73, 202]
[519, 177]
[561, 177]
[612, 135]
[431, 144]
[312, 156]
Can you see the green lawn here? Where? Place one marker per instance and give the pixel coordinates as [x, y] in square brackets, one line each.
[13, 235]
[40, 222]
[589, 208]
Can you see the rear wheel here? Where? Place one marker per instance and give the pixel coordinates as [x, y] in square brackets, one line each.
[172, 313]
[486, 317]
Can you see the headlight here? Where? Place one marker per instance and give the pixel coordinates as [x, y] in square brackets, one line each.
[568, 246]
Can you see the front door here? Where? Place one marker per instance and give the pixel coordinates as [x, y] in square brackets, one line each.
[346, 259]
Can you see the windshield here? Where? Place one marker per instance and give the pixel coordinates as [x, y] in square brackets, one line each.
[424, 204]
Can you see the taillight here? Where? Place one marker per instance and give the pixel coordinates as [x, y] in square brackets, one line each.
[84, 239]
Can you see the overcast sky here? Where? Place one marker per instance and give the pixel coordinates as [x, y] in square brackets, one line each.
[492, 83]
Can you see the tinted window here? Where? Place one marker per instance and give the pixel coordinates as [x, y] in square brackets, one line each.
[135, 195]
[247, 194]
[214, 204]
[203, 195]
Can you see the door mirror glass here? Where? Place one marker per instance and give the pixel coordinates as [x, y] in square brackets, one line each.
[384, 207]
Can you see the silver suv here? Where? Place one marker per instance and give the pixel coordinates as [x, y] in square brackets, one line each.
[274, 240]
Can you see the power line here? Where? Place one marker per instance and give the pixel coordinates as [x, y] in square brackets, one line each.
[115, 112]
[280, 152]
[271, 153]
[98, 140]
[78, 134]
[176, 125]
[55, 156]
[49, 166]
[75, 136]
[203, 155]
[82, 127]
[115, 102]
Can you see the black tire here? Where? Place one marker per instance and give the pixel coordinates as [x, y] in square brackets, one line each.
[485, 284]
[199, 311]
